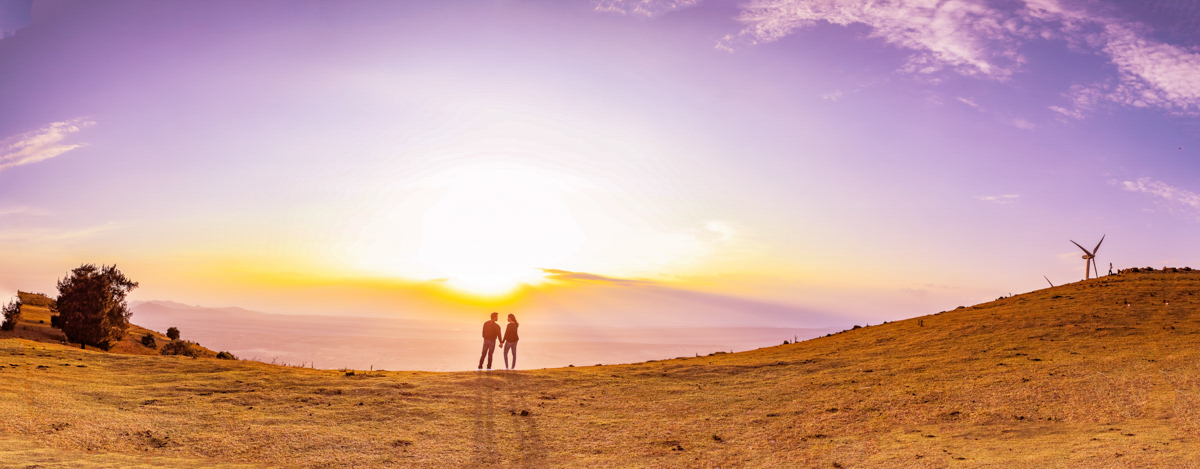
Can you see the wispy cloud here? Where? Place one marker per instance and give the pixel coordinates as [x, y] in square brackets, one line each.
[23, 209]
[985, 39]
[1023, 124]
[722, 229]
[1064, 112]
[36, 235]
[14, 15]
[1173, 195]
[642, 7]
[999, 199]
[566, 275]
[1152, 74]
[969, 102]
[41, 144]
[832, 95]
[967, 36]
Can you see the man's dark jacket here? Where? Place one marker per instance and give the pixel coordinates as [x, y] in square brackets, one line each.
[491, 330]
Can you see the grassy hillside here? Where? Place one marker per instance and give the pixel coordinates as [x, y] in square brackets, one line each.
[35, 326]
[1062, 377]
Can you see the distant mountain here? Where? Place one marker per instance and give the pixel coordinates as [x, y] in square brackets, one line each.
[171, 307]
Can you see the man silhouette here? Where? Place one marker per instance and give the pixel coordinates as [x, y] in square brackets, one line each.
[491, 332]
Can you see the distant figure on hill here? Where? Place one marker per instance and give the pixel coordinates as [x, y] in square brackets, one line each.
[510, 342]
[491, 332]
[1110, 268]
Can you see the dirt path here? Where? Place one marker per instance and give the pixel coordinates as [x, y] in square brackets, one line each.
[505, 428]
[484, 414]
[526, 436]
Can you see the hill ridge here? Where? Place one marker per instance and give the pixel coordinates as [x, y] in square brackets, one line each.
[1061, 377]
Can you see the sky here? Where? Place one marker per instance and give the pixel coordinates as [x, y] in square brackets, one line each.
[779, 162]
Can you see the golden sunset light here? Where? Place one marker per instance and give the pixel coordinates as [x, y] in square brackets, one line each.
[492, 230]
[599, 233]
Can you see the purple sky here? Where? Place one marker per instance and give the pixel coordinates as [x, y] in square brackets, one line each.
[870, 159]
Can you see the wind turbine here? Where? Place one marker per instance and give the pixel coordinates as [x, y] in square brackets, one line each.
[1089, 258]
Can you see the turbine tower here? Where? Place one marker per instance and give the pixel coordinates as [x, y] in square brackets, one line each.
[1089, 258]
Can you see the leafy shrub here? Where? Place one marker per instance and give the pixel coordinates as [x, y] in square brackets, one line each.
[12, 314]
[180, 347]
[91, 301]
[173, 333]
[56, 321]
[149, 341]
[226, 356]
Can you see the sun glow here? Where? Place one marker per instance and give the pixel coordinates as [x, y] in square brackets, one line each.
[493, 230]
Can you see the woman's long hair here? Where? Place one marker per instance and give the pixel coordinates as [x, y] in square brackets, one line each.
[513, 319]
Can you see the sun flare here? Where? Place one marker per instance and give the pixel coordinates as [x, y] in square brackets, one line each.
[493, 230]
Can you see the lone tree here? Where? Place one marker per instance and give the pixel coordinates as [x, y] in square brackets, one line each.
[91, 305]
[12, 314]
[173, 333]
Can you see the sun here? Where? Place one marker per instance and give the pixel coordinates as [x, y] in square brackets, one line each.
[493, 230]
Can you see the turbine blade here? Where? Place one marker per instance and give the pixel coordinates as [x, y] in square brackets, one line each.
[1048, 281]
[1081, 247]
[1094, 251]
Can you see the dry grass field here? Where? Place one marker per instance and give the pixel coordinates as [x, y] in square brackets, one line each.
[1062, 377]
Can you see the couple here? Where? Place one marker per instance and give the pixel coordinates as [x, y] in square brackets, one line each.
[491, 332]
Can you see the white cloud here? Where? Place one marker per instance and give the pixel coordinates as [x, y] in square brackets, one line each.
[1152, 74]
[1023, 124]
[964, 35]
[14, 16]
[41, 144]
[642, 7]
[976, 38]
[1168, 193]
[1073, 113]
[722, 229]
[969, 102]
[38, 235]
[832, 95]
[999, 199]
[22, 210]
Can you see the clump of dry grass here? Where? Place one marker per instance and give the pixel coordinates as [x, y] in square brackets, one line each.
[1062, 377]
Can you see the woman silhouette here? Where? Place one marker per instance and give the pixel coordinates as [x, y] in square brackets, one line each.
[510, 342]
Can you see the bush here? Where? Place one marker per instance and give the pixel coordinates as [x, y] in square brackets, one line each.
[173, 333]
[226, 356]
[149, 341]
[181, 347]
[12, 314]
[56, 321]
[92, 304]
